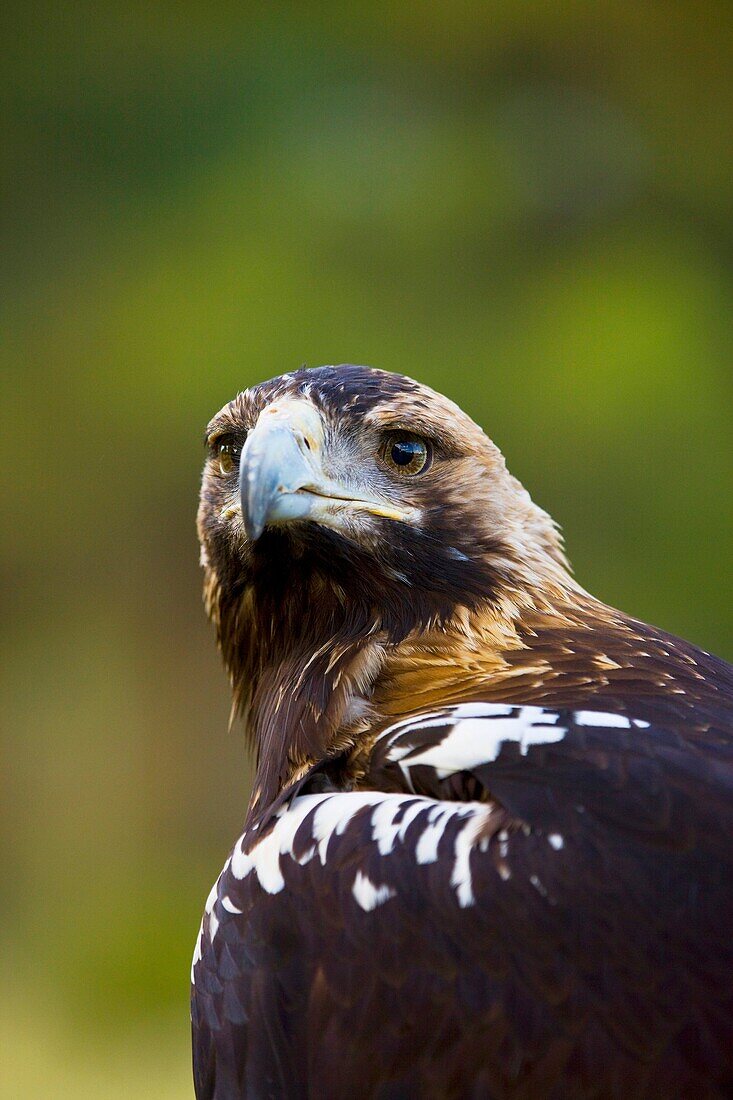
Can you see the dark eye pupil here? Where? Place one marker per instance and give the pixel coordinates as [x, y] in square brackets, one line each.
[229, 449]
[405, 451]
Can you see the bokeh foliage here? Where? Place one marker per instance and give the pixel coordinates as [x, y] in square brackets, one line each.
[526, 205]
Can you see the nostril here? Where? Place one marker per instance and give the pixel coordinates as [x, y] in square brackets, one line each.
[307, 442]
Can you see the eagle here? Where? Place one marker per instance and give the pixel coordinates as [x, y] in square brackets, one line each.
[488, 849]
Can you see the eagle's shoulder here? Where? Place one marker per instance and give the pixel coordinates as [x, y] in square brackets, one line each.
[509, 880]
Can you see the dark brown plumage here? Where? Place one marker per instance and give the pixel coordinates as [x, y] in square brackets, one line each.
[488, 847]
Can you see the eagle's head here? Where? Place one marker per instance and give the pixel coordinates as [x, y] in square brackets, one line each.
[343, 509]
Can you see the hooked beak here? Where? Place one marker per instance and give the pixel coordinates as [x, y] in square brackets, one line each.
[281, 475]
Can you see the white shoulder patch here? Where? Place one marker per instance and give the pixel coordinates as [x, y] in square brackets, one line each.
[389, 818]
[461, 874]
[476, 734]
[612, 721]
[368, 895]
[437, 820]
[197, 953]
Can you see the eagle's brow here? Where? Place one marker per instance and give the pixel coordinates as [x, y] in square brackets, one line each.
[222, 423]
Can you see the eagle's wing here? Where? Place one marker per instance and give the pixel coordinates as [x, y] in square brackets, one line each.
[534, 903]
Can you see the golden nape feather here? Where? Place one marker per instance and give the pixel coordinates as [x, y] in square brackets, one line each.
[490, 827]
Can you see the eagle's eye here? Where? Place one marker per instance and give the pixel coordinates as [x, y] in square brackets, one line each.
[227, 451]
[406, 453]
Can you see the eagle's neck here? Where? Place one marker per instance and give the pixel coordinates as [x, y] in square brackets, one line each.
[304, 709]
[312, 670]
[302, 663]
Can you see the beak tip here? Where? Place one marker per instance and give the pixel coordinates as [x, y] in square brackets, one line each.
[253, 519]
[253, 516]
[253, 531]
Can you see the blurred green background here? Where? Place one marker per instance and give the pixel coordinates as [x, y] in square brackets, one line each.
[526, 205]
